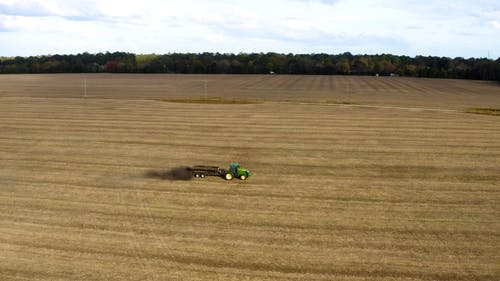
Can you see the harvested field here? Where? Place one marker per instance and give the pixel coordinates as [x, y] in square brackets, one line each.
[395, 91]
[354, 178]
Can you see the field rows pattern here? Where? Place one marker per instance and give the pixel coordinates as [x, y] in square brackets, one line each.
[417, 92]
[338, 192]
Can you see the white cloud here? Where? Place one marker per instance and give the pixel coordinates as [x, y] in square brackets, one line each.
[448, 28]
[496, 24]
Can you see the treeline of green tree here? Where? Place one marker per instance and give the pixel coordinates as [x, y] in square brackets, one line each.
[258, 63]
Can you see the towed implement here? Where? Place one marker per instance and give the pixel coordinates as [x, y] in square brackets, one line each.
[234, 171]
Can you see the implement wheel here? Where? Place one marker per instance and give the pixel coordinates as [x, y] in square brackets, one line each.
[243, 177]
[229, 176]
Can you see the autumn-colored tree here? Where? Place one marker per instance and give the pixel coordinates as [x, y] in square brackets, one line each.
[257, 63]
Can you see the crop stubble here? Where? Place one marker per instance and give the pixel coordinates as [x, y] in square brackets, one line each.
[406, 188]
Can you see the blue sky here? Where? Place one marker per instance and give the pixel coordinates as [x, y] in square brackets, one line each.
[440, 28]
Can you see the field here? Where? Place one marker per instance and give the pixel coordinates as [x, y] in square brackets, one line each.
[354, 178]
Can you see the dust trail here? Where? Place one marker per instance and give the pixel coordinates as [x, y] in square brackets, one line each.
[175, 174]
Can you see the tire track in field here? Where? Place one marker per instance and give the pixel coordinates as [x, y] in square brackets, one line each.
[133, 240]
[150, 222]
[409, 84]
[363, 85]
[372, 84]
[248, 266]
[269, 239]
[178, 215]
[332, 87]
[254, 83]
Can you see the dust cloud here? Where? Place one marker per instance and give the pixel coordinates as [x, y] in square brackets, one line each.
[175, 174]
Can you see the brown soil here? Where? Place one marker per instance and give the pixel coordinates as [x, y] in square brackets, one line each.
[397, 183]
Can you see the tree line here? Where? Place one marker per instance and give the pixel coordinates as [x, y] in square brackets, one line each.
[258, 63]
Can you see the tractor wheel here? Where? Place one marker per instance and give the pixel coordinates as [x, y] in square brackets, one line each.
[243, 177]
[196, 175]
[229, 176]
[202, 175]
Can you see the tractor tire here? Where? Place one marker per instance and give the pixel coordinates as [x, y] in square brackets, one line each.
[243, 177]
[202, 175]
[196, 175]
[229, 176]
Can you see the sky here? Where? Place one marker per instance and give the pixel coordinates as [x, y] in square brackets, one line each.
[407, 27]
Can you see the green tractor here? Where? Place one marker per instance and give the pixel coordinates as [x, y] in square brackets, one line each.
[235, 171]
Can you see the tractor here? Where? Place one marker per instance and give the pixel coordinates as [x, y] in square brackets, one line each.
[235, 171]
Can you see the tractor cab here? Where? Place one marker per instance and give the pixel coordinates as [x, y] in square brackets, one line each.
[233, 168]
[235, 171]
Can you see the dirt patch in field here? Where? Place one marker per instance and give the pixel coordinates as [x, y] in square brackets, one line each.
[484, 111]
[175, 174]
[211, 101]
[329, 102]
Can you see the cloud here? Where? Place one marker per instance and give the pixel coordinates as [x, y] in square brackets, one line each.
[24, 8]
[496, 24]
[4, 28]
[302, 26]
[328, 2]
[83, 18]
